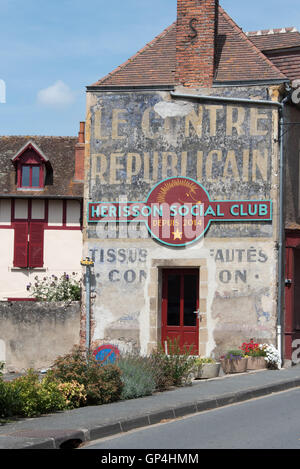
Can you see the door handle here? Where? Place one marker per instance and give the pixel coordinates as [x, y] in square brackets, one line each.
[198, 314]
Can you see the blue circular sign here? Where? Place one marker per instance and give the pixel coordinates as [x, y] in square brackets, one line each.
[106, 354]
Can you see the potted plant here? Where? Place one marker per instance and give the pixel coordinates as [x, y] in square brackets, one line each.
[271, 356]
[234, 362]
[256, 355]
[206, 368]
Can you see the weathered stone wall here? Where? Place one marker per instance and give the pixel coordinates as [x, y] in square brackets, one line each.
[135, 140]
[33, 335]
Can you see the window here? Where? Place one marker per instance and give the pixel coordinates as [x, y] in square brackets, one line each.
[31, 167]
[29, 244]
[31, 176]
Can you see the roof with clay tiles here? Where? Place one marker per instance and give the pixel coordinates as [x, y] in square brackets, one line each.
[282, 47]
[238, 59]
[59, 154]
[274, 39]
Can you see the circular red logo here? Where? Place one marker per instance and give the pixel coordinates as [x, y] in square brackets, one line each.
[177, 211]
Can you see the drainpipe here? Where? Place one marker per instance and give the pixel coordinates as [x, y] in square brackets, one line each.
[281, 269]
[88, 263]
[280, 106]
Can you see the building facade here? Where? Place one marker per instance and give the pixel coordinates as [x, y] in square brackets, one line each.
[182, 202]
[41, 193]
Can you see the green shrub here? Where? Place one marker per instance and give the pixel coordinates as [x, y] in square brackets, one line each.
[102, 384]
[27, 396]
[32, 397]
[8, 398]
[138, 376]
[74, 394]
[163, 375]
[174, 367]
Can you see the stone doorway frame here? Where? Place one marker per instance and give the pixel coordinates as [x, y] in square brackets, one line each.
[155, 298]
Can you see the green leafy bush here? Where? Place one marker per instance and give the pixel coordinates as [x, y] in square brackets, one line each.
[74, 394]
[162, 373]
[102, 384]
[174, 367]
[32, 397]
[138, 376]
[52, 288]
[8, 398]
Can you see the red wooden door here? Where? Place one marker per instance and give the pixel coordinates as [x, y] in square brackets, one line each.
[292, 293]
[180, 302]
[296, 315]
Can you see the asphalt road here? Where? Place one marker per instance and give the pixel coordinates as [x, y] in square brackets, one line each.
[272, 422]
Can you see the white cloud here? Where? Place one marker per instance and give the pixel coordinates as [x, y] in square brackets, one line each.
[58, 95]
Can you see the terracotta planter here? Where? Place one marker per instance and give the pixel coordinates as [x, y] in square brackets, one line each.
[234, 366]
[256, 363]
[208, 371]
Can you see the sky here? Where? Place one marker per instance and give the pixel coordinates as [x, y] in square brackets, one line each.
[50, 50]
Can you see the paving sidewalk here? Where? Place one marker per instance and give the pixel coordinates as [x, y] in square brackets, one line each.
[67, 429]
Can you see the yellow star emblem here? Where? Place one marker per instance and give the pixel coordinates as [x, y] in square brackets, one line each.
[177, 234]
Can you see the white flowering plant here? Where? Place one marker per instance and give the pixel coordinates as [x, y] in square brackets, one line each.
[52, 288]
[272, 356]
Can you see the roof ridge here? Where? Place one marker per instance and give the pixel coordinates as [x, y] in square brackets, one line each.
[243, 35]
[139, 52]
[266, 32]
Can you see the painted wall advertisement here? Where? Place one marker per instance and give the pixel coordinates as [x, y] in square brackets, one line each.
[178, 184]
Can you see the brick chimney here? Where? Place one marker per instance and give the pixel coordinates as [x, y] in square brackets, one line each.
[79, 154]
[197, 26]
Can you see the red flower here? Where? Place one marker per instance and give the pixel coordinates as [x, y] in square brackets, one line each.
[249, 348]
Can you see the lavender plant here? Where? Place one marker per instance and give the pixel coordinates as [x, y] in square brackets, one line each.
[138, 376]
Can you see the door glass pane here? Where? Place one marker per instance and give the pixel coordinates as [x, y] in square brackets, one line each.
[190, 299]
[35, 176]
[173, 315]
[25, 176]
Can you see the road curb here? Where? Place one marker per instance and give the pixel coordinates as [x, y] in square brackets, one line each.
[154, 418]
[70, 439]
[44, 439]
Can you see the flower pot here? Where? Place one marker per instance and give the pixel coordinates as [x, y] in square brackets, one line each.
[208, 371]
[256, 363]
[235, 365]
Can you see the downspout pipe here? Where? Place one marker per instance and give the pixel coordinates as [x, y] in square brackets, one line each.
[87, 263]
[281, 268]
[87, 308]
[281, 271]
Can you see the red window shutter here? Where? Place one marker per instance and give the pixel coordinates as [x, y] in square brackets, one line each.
[21, 245]
[36, 244]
